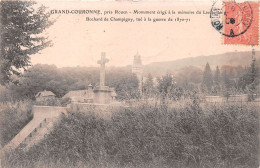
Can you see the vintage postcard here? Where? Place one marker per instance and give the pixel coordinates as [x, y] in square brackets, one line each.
[129, 84]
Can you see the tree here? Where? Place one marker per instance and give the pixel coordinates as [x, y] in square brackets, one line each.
[168, 88]
[229, 86]
[148, 86]
[253, 73]
[165, 85]
[22, 25]
[207, 77]
[239, 72]
[226, 80]
[60, 81]
[216, 87]
[36, 79]
[217, 76]
[126, 87]
[250, 78]
[188, 74]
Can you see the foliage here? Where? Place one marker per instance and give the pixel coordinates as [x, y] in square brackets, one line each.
[251, 78]
[189, 74]
[13, 117]
[48, 102]
[184, 134]
[148, 87]
[126, 87]
[168, 88]
[62, 80]
[227, 80]
[227, 83]
[22, 26]
[65, 101]
[217, 76]
[207, 77]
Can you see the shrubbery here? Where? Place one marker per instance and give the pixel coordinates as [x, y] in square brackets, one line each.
[65, 101]
[13, 117]
[181, 135]
[48, 102]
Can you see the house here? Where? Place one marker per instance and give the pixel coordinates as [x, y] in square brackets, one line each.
[83, 96]
[44, 95]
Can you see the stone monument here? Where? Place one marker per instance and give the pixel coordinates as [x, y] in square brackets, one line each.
[102, 93]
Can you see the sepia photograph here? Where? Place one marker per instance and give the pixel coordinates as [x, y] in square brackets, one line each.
[129, 84]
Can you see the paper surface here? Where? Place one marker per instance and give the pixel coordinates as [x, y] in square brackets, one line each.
[130, 83]
[159, 31]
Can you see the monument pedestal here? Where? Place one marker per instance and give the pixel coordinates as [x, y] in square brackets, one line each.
[102, 95]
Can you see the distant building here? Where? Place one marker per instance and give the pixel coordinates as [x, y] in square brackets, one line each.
[44, 95]
[137, 68]
[89, 95]
[83, 96]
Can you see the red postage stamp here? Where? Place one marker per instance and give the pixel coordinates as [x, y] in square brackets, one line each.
[241, 22]
[237, 22]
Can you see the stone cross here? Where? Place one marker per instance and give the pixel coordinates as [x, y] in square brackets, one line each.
[102, 63]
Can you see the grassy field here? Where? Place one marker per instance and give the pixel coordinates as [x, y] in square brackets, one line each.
[182, 134]
[13, 117]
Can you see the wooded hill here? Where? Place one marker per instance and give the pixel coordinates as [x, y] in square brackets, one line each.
[230, 58]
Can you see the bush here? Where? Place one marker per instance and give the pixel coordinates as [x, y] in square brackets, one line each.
[65, 101]
[48, 102]
[181, 135]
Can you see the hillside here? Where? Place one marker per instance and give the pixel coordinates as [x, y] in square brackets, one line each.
[231, 58]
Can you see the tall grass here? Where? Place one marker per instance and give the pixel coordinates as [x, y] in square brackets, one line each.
[13, 117]
[184, 134]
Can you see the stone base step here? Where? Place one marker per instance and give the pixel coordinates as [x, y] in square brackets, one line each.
[39, 134]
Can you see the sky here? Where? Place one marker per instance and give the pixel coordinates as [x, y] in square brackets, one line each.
[77, 42]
